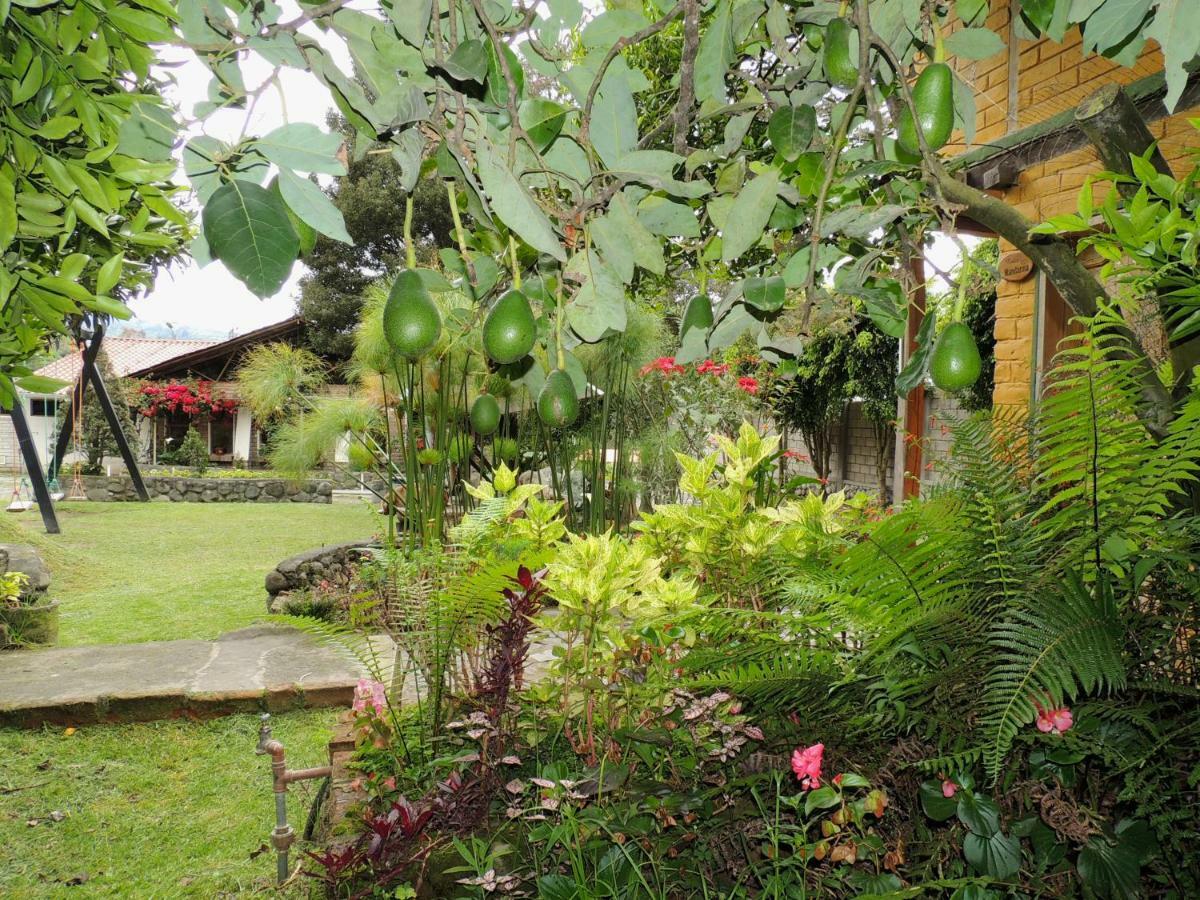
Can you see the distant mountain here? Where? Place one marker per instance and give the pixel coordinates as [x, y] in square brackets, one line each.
[136, 329]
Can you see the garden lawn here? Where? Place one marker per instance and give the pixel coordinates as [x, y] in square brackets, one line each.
[131, 572]
[162, 809]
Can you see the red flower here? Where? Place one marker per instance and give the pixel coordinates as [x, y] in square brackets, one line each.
[708, 367]
[806, 763]
[837, 779]
[664, 364]
[748, 383]
[796, 455]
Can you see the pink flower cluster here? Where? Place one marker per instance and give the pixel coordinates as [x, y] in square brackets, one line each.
[748, 384]
[370, 695]
[1053, 721]
[806, 763]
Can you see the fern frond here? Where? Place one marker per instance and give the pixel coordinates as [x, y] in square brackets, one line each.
[1066, 643]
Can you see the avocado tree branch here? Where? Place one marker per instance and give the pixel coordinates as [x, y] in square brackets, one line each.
[1055, 257]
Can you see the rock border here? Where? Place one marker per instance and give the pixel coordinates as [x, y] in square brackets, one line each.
[333, 563]
[187, 489]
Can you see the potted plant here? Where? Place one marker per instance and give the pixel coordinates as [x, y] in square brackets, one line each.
[26, 617]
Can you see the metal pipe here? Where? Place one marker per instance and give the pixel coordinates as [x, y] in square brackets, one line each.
[283, 836]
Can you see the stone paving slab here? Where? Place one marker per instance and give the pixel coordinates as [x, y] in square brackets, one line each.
[265, 667]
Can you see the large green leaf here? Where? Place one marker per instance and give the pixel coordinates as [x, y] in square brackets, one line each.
[974, 43]
[667, 218]
[917, 367]
[599, 305]
[1112, 866]
[247, 228]
[714, 54]
[613, 128]
[469, 62]
[149, 133]
[304, 147]
[513, 204]
[997, 855]
[1109, 26]
[790, 130]
[311, 205]
[748, 216]
[765, 294]
[542, 120]
[1176, 27]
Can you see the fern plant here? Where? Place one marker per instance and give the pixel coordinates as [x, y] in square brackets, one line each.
[1014, 587]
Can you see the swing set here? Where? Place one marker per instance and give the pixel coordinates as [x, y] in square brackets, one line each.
[30, 484]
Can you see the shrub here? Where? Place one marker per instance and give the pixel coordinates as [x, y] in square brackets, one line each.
[192, 452]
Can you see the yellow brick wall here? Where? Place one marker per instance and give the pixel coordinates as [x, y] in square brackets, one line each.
[1052, 78]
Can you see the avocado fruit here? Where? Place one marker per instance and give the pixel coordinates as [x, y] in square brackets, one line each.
[509, 329]
[840, 67]
[933, 99]
[485, 415]
[955, 363]
[411, 321]
[557, 404]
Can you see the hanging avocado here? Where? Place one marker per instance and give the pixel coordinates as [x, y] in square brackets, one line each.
[485, 415]
[509, 329]
[933, 98]
[840, 68]
[411, 321]
[697, 314]
[955, 363]
[557, 404]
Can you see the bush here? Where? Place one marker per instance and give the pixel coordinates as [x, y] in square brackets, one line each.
[192, 452]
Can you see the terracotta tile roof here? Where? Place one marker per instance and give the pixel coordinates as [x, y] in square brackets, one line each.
[126, 355]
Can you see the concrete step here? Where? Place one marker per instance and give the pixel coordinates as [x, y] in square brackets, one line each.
[262, 668]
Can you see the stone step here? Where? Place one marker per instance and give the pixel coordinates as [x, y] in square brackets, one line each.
[346, 495]
[261, 668]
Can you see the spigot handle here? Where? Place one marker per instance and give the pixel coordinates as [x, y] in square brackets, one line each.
[264, 734]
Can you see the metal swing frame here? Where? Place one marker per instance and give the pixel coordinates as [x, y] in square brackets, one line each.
[33, 466]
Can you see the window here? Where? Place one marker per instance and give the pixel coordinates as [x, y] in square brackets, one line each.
[1057, 323]
[220, 436]
[40, 406]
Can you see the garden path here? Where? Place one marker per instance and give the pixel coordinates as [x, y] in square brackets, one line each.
[264, 666]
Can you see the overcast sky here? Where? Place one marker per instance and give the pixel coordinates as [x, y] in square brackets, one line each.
[211, 302]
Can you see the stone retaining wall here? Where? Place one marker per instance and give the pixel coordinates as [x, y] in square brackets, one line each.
[333, 563]
[104, 488]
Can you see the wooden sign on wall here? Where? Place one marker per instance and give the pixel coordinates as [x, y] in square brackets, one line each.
[1015, 266]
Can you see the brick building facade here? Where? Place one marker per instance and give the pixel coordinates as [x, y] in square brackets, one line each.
[1025, 100]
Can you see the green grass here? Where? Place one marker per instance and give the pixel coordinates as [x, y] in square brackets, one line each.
[164, 809]
[130, 572]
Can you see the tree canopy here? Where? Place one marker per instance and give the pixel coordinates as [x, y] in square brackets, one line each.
[782, 144]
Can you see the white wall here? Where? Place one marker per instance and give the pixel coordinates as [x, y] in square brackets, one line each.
[241, 434]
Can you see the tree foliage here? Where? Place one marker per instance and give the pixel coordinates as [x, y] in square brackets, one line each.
[371, 199]
[603, 173]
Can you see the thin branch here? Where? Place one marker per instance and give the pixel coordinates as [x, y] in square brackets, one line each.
[687, 75]
[628, 41]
